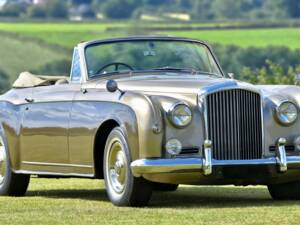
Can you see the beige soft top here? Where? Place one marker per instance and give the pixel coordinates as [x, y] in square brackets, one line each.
[27, 79]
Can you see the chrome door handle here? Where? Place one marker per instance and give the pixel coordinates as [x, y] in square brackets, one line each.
[29, 100]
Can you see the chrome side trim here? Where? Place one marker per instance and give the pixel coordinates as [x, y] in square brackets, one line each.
[30, 172]
[55, 164]
[281, 155]
[207, 161]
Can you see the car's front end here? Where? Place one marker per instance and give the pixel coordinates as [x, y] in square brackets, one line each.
[228, 133]
[193, 124]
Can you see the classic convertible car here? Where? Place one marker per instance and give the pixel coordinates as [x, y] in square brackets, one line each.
[149, 113]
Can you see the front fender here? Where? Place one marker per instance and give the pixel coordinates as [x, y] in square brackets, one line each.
[273, 95]
[149, 123]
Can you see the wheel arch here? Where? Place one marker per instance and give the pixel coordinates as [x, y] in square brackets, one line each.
[99, 144]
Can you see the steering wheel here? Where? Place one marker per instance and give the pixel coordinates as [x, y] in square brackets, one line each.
[116, 64]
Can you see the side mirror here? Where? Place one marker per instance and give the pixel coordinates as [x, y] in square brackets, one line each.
[231, 75]
[112, 86]
[297, 79]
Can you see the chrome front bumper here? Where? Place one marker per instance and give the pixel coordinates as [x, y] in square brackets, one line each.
[206, 163]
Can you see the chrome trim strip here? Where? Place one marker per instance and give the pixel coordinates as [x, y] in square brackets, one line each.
[180, 165]
[55, 164]
[30, 172]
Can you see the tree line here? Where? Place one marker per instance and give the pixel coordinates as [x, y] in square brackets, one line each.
[126, 9]
[271, 65]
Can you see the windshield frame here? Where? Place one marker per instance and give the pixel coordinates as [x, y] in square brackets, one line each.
[138, 39]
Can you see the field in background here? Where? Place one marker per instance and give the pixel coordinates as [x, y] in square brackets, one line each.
[29, 46]
[69, 34]
[19, 54]
[78, 201]
[288, 37]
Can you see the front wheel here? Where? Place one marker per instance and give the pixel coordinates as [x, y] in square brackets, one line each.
[286, 191]
[122, 187]
[11, 184]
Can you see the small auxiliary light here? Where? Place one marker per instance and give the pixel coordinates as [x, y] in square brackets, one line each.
[297, 143]
[173, 147]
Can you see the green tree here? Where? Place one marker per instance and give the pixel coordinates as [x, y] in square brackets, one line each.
[62, 67]
[57, 9]
[115, 9]
[271, 73]
[293, 8]
[158, 2]
[185, 4]
[37, 11]
[202, 9]
[227, 9]
[81, 2]
[12, 10]
[4, 82]
[275, 8]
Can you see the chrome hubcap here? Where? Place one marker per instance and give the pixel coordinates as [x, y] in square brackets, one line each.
[2, 161]
[117, 167]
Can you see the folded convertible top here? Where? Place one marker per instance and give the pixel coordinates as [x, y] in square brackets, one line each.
[27, 79]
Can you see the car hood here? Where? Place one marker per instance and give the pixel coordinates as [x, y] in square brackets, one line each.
[188, 84]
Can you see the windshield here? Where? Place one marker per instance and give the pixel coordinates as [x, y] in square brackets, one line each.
[152, 55]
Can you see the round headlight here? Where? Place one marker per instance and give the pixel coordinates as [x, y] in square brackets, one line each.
[180, 115]
[287, 113]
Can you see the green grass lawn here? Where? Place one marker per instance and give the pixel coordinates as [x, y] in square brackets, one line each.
[79, 201]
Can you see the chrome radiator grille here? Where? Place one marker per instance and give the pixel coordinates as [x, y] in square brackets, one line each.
[234, 124]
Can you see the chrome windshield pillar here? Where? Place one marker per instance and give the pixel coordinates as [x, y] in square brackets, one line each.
[207, 160]
[281, 155]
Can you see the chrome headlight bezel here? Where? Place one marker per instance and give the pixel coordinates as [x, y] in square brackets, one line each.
[172, 114]
[282, 117]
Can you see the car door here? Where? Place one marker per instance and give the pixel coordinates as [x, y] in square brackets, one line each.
[44, 135]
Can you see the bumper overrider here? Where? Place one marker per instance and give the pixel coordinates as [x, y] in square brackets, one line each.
[205, 164]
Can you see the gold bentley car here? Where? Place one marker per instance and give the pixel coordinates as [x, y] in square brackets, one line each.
[146, 114]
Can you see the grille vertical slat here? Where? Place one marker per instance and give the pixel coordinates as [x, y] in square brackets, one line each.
[234, 124]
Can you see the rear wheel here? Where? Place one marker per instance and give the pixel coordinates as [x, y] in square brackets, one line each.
[11, 184]
[286, 191]
[122, 187]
